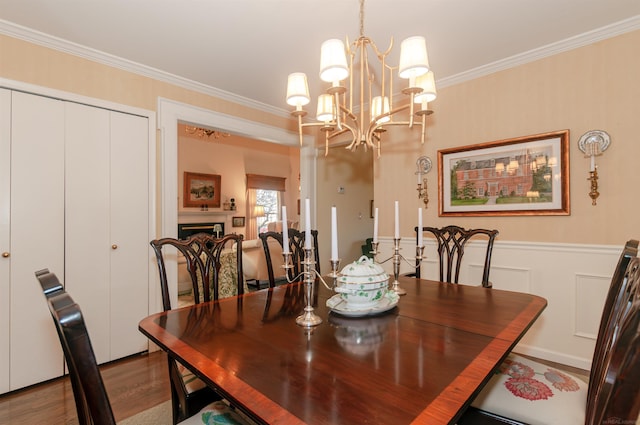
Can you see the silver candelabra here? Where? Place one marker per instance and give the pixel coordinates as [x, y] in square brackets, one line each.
[309, 273]
[396, 257]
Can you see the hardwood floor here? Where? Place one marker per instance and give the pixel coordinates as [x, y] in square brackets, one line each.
[134, 384]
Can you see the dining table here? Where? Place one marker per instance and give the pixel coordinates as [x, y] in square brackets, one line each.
[422, 360]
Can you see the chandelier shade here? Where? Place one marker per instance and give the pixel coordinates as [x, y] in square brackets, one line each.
[362, 107]
[413, 58]
[379, 107]
[333, 61]
[325, 108]
[428, 85]
[297, 89]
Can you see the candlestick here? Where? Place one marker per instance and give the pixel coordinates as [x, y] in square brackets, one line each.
[420, 227]
[397, 222]
[334, 234]
[307, 224]
[375, 226]
[285, 231]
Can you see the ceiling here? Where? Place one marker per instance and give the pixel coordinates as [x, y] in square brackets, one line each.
[248, 47]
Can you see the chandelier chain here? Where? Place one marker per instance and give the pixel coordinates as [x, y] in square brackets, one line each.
[361, 18]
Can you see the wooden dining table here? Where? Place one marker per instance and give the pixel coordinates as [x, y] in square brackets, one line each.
[421, 362]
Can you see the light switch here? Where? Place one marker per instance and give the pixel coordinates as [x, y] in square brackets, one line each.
[341, 190]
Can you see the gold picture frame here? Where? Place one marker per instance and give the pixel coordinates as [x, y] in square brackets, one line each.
[201, 190]
[521, 176]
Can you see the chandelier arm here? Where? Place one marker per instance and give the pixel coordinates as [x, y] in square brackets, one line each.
[339, 132]
[326, 143]
[300, 128]
[411, 97]
[339, 107]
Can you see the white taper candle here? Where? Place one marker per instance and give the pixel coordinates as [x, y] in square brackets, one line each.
[420, 227]
[396, 234]
[375, 226]
[334, 234]
[307, 223]
[285, 231]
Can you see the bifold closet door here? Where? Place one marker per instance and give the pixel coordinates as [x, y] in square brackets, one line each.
[37, 234]
[107, 216]
[87, 247]
[5, 233]
[131, 253]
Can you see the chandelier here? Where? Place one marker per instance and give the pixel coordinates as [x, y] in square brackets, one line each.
[205, 132]
[338, 114]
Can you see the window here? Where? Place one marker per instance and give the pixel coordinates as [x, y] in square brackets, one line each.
[266, 192]
[270, 201]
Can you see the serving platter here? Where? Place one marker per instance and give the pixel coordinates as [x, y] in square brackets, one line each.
[339, 306]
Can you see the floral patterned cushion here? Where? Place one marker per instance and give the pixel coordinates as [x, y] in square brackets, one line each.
[227, 279]
[217, 413]
[534, 393]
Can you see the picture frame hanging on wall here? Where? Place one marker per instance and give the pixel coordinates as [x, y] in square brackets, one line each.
[521, 176]
[201, 190]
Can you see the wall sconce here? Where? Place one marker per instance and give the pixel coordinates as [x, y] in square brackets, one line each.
[423, 164]
[593, 143]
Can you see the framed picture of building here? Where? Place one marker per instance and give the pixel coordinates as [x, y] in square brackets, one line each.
[201, 190]
[522, 176]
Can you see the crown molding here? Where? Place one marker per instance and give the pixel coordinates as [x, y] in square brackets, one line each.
[59, 44]
[603, 33]
[42, 39]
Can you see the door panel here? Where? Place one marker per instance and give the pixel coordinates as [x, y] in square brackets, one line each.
[87, 247]
[37, 234]
[129, 232]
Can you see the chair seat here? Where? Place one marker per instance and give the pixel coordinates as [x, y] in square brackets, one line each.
[217, 412]
[534, 393]
[191, 382]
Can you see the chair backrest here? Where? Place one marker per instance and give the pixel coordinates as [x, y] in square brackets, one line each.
[616, 303]
[203, 253]
[615, 397]
[451, 242]
[296, 246]
[92, 401]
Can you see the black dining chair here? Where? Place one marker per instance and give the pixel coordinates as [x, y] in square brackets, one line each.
[203, 254]
[91, 398]
[524, 391]
[296, 246]
[451, 242]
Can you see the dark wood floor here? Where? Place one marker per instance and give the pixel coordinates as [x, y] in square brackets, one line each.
[133, 384]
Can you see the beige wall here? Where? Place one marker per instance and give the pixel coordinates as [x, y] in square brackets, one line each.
[593, 87]
[353, 172]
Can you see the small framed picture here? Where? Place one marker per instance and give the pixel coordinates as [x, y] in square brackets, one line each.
[237, 221]
[201, 190]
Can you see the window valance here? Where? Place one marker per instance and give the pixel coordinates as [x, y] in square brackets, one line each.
[257, 181]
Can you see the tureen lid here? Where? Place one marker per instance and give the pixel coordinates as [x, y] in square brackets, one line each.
[363, 266]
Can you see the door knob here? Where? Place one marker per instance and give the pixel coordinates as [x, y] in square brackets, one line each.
[5, 255]
[114, 246]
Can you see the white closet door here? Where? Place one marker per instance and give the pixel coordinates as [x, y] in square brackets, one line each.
[87, 247]
[129, 232]
[5, 248]
[37, 234]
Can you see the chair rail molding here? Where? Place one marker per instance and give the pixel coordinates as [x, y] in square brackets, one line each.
[574, 278]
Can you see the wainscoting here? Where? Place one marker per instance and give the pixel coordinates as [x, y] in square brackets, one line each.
[573, 278]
